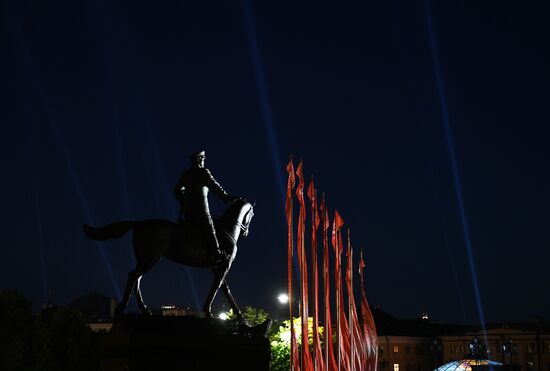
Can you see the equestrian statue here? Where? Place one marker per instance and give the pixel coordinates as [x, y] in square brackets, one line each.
[195, 240]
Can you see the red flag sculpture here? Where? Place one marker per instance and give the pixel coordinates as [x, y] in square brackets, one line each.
[294, 361]
[357, 344]
[369, 328]
[330, 361]
[356, 338]
[342, 323]
[319, 365]
[306, 356]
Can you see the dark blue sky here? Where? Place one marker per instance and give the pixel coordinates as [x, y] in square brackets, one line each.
[102, 103]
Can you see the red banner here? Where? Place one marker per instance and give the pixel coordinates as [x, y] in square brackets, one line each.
[318, 352]
[369, 328]
[330, 361]
[306, 356]
[356, 338]
[294, 362]
[343, 336]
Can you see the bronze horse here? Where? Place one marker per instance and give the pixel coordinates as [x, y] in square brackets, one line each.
[183, 244]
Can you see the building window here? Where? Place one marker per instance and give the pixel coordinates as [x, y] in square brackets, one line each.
[407, 349]
[396, 367]
[396, 350]
[456, 349]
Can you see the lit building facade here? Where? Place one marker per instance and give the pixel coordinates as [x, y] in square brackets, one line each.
[423, 345]
[525, 346]
[406, 353]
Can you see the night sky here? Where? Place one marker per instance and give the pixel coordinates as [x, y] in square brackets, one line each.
[426, 125]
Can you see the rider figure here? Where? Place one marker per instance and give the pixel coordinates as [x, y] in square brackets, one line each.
[191, 191]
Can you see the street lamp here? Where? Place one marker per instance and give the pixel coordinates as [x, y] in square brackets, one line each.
[282, 310]
[282, 298]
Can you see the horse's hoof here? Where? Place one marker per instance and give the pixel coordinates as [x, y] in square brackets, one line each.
[241, 322]
[260, 330]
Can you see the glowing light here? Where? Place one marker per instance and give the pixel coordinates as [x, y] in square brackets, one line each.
[223, 316]
[265, 106]
[453, 159]
[29, 66]
[283, 336]
[283, 298]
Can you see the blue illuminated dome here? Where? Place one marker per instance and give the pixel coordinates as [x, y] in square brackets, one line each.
[466, 364]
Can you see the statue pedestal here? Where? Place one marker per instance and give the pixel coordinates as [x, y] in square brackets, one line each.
[182, 343]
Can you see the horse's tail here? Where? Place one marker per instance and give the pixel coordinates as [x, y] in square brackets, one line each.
[113, 230]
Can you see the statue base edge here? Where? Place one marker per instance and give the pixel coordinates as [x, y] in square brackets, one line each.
[137, 343]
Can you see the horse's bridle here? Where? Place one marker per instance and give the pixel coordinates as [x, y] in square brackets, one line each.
[244, 228]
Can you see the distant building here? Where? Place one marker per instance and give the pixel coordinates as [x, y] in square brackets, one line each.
[524, 345]
[99, 309]
[172, 310]
[411, 345]
[94, 306]
[424, 345]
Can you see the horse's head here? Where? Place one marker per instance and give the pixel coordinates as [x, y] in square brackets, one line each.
[248, 218]
[238, 215]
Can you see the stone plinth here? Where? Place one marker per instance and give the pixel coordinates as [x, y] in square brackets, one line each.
[182, 343]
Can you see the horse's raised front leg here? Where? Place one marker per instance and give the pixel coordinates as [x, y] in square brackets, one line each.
[219, 276]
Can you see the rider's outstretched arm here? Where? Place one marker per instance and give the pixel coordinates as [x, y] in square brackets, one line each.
[215, 187]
